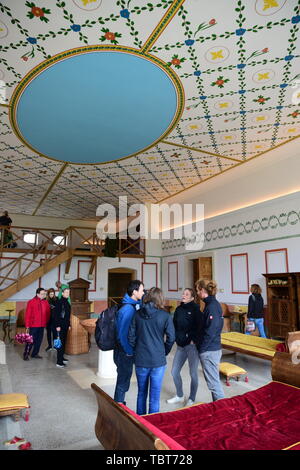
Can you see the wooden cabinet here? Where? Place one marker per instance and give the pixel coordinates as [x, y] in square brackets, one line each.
[283, 292]
[77, 339]
[79, 293]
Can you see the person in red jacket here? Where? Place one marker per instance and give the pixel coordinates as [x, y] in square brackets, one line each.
[36, 318]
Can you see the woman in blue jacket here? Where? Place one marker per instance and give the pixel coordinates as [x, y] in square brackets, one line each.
[209, 340]
[148, 330]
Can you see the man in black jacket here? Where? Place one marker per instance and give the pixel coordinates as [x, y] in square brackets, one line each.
[186, 319]
[62, 313]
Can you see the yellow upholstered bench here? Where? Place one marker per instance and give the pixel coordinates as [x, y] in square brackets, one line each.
[13, 403]
[247, 344]
[232, 370]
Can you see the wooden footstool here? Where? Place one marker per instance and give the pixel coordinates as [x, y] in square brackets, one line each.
[232, 370]
[13, 403]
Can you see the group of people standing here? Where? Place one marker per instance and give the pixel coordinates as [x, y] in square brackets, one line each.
[46, 310]
[146, 334]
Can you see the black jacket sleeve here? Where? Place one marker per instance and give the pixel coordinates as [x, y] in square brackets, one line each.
[132, 332]
[170, 335]
[175, 318]
[250, 306]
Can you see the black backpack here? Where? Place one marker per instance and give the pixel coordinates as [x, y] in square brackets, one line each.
[106, 332]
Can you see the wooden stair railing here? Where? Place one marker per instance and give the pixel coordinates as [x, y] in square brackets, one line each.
[17, 271]
[35, 274]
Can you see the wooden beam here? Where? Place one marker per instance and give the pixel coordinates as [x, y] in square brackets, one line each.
[68, 265]
[93, 264]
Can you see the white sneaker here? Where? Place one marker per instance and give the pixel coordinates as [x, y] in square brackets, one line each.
[61, 366]
[175, 399]
[189, 402]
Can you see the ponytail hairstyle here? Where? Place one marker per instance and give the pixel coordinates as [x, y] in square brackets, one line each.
[209, 286]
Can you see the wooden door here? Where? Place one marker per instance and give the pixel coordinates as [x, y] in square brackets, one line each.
[202, 268]
[117, 285]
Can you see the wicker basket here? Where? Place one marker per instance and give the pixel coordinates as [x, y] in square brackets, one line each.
[77, 339]
[89, 325]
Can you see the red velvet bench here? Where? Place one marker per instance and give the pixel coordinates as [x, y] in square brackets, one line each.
[264, 419]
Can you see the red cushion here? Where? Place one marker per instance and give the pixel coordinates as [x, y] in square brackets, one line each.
[160, 434]
[281, 347]
[263, 419]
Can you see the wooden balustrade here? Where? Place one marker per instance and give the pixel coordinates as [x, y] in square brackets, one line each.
[16, 274]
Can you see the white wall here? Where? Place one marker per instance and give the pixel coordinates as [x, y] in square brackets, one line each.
[271, 225]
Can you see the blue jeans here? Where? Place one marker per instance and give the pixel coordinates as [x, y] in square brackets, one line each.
[259, 322]
[210, 361]
[124, 365]
[182, 354]
[155, 375]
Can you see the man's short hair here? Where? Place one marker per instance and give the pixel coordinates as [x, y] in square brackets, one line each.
[133, 285]
[39, 289]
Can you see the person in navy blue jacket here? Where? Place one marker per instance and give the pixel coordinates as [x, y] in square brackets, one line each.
[123, 353]
[152, 335]
[209, 338]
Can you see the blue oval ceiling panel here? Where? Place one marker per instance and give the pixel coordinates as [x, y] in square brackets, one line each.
[96, 107]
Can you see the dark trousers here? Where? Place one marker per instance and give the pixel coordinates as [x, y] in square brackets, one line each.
[124, 365]
[61, 351]
[37, 333]
[51, 334]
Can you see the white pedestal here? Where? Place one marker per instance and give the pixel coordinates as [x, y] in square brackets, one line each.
[2, 353]
[106, 366]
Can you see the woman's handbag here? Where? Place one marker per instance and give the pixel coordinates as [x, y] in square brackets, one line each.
[250, 325]
[57, 342]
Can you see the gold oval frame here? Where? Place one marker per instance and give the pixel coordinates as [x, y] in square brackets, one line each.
[32, 74]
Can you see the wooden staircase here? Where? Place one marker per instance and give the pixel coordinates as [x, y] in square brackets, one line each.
[27, 279]
[47, 254]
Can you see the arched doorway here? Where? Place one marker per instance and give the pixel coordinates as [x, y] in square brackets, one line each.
[118, 280]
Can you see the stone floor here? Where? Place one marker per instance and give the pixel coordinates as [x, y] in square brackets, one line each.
[63, 406]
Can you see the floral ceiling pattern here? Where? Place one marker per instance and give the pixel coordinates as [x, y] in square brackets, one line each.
[238, 65]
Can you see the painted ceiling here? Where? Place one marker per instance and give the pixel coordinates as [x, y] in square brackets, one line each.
[104, 98]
